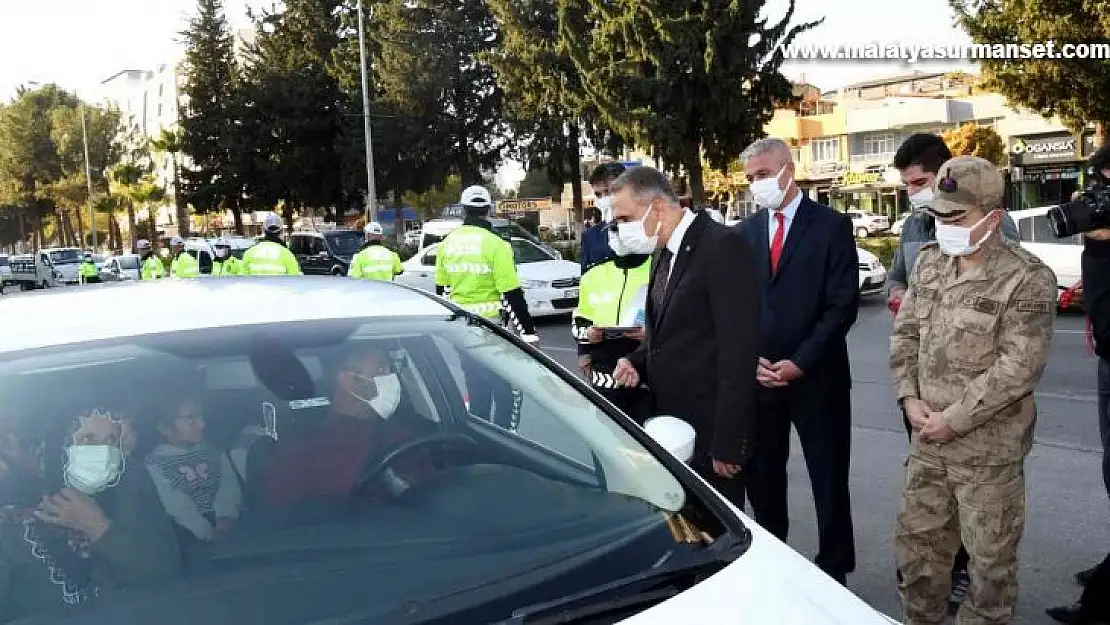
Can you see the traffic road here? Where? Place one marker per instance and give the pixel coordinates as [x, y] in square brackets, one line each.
[1067, 527]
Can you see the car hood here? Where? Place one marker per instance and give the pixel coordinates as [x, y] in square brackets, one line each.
[770, 584]
[549, 270]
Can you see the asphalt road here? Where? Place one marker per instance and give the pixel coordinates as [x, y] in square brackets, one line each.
[1067, 527]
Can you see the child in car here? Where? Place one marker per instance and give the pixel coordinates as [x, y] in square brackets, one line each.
[195, 479]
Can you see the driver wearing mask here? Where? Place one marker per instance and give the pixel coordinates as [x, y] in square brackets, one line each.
[369, 416]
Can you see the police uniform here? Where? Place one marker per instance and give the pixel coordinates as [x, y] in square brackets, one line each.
[270, 257]
[375, 261]
[88, 273]
[476, 270]
[226, 265]
[613, 293]
[152, 267]
[972, 347]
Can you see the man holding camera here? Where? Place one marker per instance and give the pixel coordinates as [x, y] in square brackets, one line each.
[968, 347]
[1094, 604]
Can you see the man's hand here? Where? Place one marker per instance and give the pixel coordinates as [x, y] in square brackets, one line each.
[1102, 234]
[894, 301]
[635, 335]
[766, 376]
[937, 430]
[917, 413]
[223, 526]
[725, 470]
[787, 371]
[625, 374]
[594, 334]
[584, 364]
[76, 511]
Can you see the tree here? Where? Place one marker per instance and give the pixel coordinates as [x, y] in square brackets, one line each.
[536, 183]
[1074, 89]
[169, 142]
[209, 119]
[690, 80]
[429, 204]
[976, 140]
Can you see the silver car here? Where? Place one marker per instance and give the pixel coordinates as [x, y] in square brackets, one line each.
[305, 450]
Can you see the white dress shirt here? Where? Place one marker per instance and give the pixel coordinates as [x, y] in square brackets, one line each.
[674, 244]
[788, 213]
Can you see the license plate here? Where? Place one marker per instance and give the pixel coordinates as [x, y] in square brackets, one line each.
[571, 293]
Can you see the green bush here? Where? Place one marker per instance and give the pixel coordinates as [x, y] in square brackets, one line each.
[883, 247]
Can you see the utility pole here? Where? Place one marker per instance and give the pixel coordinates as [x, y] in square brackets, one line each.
[371, 190]
[88, 177]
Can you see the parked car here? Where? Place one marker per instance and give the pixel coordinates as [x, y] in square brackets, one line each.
[1063, 256]
[576, 514]
[867, 224]
[34, 271]
[872, 273]
[5, 272]
[326, 253]
[896, 227]
[120, 268]
[550, 284]
[65, 261]
[436, 230]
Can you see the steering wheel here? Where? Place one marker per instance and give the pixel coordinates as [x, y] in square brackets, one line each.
[373, 471]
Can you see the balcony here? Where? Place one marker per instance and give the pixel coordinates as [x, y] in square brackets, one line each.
[898, 113]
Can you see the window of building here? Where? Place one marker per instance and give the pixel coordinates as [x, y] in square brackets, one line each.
[826, 149]
[796, 155]
[877, 144]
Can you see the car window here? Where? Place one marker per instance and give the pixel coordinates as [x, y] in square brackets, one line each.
[128, 262]
[3, 261]
[345, 243]
[1042, 233]
[343, 450]
[62, 257]
[429, 258]
[525, 252]
[299, 245]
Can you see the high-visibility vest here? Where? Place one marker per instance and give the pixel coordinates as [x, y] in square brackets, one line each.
[375, 262]
[475, 266]
[270, 258]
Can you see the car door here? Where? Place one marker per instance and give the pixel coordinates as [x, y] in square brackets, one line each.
[299, 245]
[420, 271]
[1063, 256]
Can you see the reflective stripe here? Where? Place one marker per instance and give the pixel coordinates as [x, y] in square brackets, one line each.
[602, 380]
[265, 268]
[485, 309]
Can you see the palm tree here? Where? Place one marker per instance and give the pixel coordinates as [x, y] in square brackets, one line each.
[109, 205]
[169, 142]
[124, 180]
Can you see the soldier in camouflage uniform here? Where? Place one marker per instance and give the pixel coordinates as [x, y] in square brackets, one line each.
[969, 344]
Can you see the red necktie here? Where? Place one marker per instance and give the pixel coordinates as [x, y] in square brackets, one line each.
[776, 243]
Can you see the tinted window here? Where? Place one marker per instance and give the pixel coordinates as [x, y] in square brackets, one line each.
[346, 243]
[62, 257]
[1025, 229]
[429, 258]
[3, 261]
[525, 252]
[128, 262]
[274, 469]
[299, 245]
[1042, 233]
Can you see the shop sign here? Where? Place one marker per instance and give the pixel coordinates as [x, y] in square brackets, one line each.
[1045, 174]
[861, 177]
[1058, 148]
[523, 206]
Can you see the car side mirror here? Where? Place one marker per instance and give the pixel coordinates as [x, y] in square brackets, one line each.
[673, 434]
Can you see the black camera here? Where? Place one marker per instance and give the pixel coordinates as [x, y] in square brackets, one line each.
[1090, 211]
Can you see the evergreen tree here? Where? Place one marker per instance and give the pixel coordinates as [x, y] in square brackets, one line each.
[1074, 89]
[687, 78]
[209, 118]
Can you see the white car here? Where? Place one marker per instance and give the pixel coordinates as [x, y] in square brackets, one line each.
[896, 227]
[867, 224]
[872, 274]
[1063, 256]
[550, 284]
[120, 268]
[350, 409]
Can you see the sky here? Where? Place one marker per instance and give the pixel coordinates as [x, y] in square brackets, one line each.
[78, 43]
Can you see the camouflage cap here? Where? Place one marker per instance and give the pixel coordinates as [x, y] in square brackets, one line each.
[966, 182]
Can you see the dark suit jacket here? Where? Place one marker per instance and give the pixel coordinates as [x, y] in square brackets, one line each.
[699, 353]
[595, 246]
[812, 301]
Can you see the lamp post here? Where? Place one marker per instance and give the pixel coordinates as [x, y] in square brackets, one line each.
[88, 178]
[371, 190]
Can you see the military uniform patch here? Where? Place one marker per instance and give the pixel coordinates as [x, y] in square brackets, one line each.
[1035, 306]
[985, 305]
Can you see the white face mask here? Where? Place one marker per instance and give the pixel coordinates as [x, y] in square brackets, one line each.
[922, 198]
[93, 468]
[956, 240]
[616, 245]
[767, 193]
[605, 205]
[633, 236]
[389, 394]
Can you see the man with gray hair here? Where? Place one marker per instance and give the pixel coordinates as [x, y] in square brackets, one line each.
[700, 337]
[807, 270]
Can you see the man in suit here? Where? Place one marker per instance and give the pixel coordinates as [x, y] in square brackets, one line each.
[701, 344]
[808, 273]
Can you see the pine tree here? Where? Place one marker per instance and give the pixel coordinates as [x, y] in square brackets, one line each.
[209, 117]
[1074, 89]
[687, 78]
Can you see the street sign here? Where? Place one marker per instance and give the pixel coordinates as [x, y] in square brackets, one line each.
[523, 205]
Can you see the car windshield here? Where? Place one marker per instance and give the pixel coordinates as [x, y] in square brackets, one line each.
[128, 262]
[63, 257]
[346, 243]
[274, 469]
[525, 252]
[3, 261]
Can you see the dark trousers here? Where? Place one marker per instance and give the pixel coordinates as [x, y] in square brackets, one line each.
[960, 564]
[491, 397]
[1096, 594]
[824, 424]
[1104, 418]
[636, 403]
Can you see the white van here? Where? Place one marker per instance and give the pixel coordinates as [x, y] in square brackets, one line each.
[34, 271]
[1063, 256]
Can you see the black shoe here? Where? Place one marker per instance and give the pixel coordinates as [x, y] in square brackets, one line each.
[958, 592]
[1084, 577]
[1076, 615]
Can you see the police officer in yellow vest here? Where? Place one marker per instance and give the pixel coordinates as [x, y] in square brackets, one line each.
[475, 270]
[270, 257]
[152, 267]
[183, 265]
[608, 324]
[87, 272]
[225, 264]
[375, 261]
